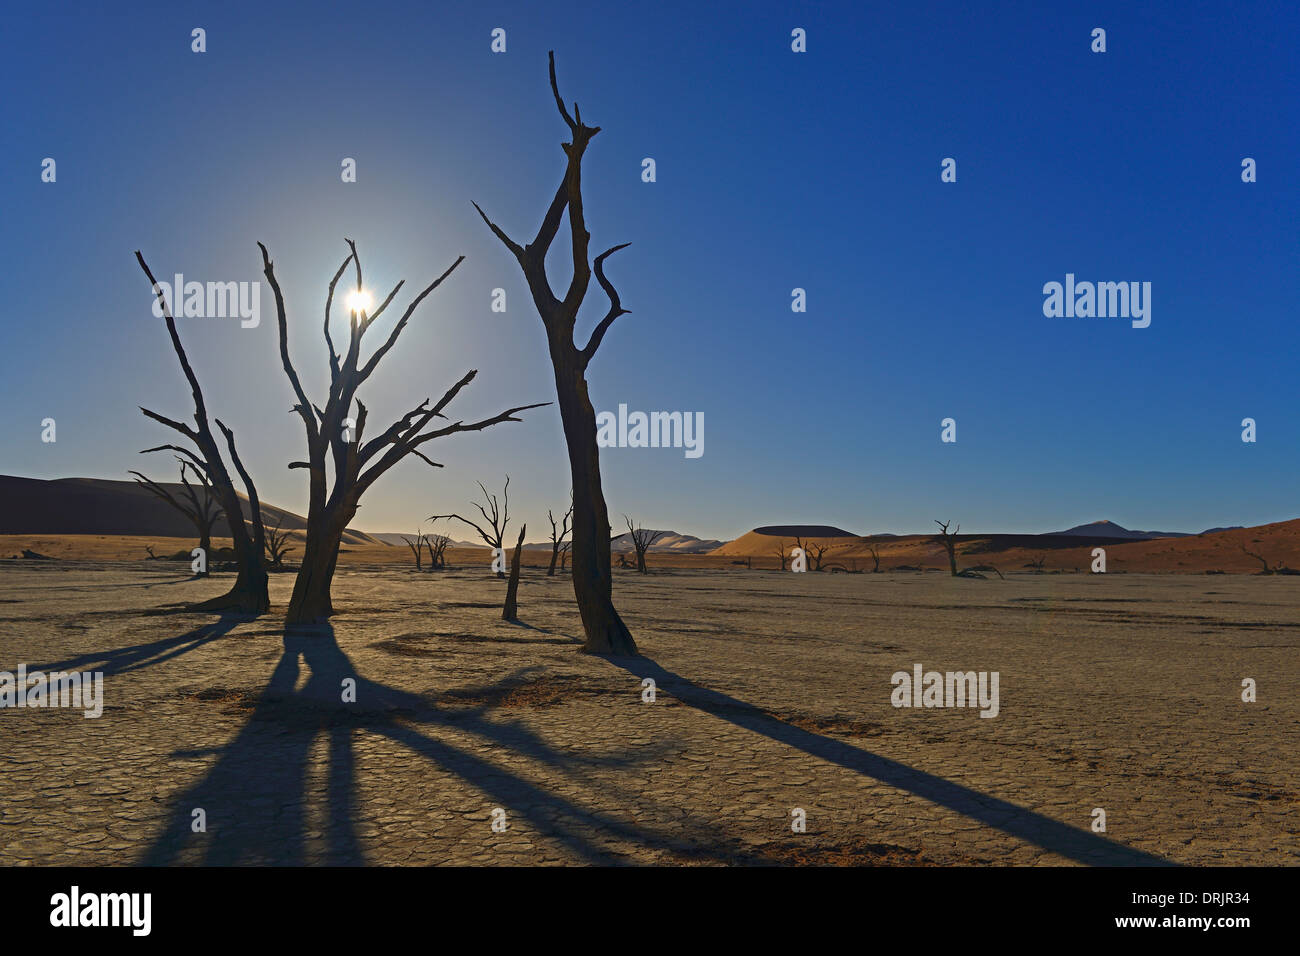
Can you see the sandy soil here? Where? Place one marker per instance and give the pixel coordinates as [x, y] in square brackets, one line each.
[1119, 692]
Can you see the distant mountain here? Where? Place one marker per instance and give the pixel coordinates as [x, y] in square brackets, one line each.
[1109, 529]
[101, 506]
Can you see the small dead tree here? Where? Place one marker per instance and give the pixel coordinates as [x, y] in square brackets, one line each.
[496, 515]
[592, 578]
[781, 555]
[417, 548]
[250, 592]
[510, 612]
[336, 438]
[1277, 568]
[559, 531]
[564, 555]
[641, 541]
[816, 550]
[949, 541]
[437, 545]
[201, 510]
[874, 551]
[276, 543]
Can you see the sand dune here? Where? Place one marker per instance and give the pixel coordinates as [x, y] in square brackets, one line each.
[1278, 543]
[96, 506]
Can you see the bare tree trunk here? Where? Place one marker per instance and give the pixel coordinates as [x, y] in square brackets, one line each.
[592, 576]
[593, 579]
[311, 602]
[511, 610]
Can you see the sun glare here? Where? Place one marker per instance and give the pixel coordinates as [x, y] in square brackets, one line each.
[359, 301]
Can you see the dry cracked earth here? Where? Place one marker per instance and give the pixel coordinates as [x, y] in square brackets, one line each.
[1119, 692]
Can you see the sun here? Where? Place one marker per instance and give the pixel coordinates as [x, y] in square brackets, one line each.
[359, 301]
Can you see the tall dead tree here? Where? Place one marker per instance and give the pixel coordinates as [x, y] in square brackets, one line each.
[510, 611]
[949, 543]
[202, 511]
[641, 540]
[559, 531]
[250, 591]
[592, 576]
[335, 439]
[496, 515]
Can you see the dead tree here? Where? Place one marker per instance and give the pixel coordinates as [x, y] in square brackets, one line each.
[417, 548]
[780, 553]
[202, 513]
[336, 438]
[496, 514]
[250, 591]
[437, 545]
[641, 541]
[564, 555]
[950, 543]
[874, 551]
[592, 578]
[1278, 568]
[510, 612]
[558, 533]
[276, 543]
[816, 551]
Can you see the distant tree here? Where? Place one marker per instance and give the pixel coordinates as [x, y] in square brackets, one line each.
[250, 591]
[874, 551]
[202, 510]
[816, 551]
[496, 515]
[276, 541]
[781, 555]
[949, 541]
[564, 555]
[641, 541]
[437, 545]
[558, 533]
[417, 548]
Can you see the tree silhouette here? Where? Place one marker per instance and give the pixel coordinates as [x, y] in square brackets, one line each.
[592, 577]
[335, 438]
[558, 533]
[496, 515]
[510, 611]
[202, 513]
[641, 541]
[250, 592]
[949, 540]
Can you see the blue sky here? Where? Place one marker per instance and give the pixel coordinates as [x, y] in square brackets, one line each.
[775, 170]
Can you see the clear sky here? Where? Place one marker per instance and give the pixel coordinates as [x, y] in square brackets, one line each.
[775, 170]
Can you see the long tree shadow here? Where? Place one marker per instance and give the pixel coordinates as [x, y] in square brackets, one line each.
[1079, 845]
[255, 797]
[122, 660]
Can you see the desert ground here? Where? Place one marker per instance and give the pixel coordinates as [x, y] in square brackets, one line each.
[1119, 692]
